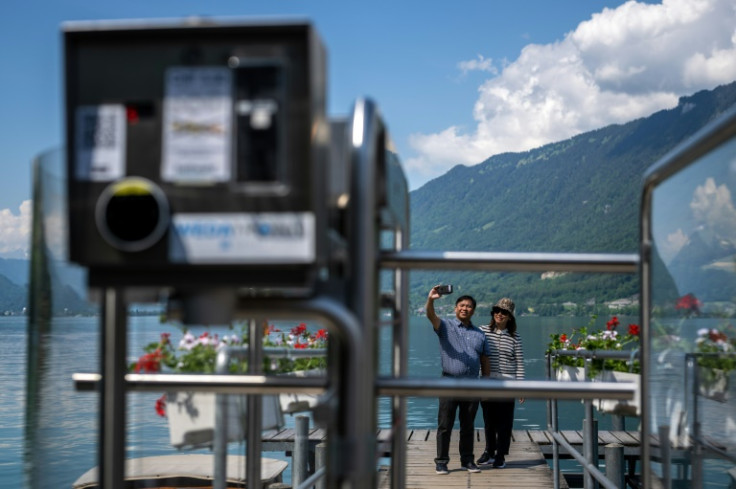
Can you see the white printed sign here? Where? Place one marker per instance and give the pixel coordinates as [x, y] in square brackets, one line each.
[197, 125]
[100, 142]
[263, 238]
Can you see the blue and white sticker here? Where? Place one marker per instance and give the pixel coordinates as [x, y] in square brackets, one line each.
[247, 238]
[100, 142]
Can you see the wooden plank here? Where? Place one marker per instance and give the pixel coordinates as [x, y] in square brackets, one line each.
[572, 437]
[627, 438]
[539, 437]
[606, 438]
[519, 435]
[284, 435]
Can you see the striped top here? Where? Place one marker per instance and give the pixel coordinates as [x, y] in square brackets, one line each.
[507, 356]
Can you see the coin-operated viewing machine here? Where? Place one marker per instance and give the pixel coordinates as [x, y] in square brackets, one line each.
[200, 162]
[197, 155]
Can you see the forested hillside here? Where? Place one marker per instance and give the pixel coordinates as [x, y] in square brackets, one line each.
[577, 195]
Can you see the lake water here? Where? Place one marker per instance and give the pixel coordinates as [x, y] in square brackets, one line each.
[65, 421]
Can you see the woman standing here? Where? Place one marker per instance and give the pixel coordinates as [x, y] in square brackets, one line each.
[507, 362]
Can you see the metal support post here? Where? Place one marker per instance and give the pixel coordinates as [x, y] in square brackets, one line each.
[300, 455]
[112, 394]
[255, 408]
[615, 470]
[320, 463]
[665, 454]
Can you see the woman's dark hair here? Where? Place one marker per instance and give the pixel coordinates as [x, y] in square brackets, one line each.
[510, 324]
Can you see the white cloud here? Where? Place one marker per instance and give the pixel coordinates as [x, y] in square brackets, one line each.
[480, 64]
[673, 244]
[619, 65]
[15, 231]
[713, 208]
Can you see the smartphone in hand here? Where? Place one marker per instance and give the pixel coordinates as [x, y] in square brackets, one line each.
[444, 289]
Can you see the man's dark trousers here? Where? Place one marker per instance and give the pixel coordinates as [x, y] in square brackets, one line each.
[466, 410]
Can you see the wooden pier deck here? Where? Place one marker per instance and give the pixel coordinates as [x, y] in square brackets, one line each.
[526, 464]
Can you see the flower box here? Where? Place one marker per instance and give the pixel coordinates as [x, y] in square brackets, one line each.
[294, 403]
[713, 383]
[618, 406]
[191, 417]
[566, 373]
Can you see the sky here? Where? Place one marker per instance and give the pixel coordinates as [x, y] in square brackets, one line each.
[456, 82]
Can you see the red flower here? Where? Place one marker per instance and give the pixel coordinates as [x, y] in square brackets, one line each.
[689, 302]
[300, 346]
[150, 362]
[161, 406]
[715, 336]
[563, 337]
[299, 330]
[321, 334]
[612, 323]
[634, 329]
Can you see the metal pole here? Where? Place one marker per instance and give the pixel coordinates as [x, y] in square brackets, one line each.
[694, 374]
[301, 449]
[320, 463]
[588, 432]
[112, 395]
[219, 438]
[552, 426]
[665, 454]
[400, 368]
[255, 407]
[365, 143]
[615, 470]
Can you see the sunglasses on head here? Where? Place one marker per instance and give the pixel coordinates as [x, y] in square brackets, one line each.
[501, 311]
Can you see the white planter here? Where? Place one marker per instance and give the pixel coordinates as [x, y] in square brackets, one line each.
[713, 383]
[294, 403]
[567, 373]
[191, 417]
[616, 406]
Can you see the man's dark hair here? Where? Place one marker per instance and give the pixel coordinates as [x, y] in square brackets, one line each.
[466, 298]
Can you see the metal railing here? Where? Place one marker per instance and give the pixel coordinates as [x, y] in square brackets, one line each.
[588, 460]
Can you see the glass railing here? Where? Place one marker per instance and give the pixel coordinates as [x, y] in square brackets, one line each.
[689, 306]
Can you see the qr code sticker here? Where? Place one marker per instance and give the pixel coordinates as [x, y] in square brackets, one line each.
[100, 141]
[99, 130]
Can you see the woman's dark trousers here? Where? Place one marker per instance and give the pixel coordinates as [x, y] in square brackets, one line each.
[498, 417]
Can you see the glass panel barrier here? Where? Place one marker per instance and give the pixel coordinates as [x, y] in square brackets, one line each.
[691, 288]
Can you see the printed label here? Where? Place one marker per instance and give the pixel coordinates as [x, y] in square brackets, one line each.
[265, 238]
[100, 142]
[197, 124]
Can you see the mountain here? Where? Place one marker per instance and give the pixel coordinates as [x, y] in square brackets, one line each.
[577, 195]
[12, 297]
[15, 270]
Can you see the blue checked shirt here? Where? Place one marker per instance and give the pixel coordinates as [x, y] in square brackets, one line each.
[461, 347]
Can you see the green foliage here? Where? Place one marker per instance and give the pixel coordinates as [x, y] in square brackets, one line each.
[608, 339]
[199, 354]
[716, 349]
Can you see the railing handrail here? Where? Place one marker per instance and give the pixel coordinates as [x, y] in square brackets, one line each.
[617, 354]
[511, 261]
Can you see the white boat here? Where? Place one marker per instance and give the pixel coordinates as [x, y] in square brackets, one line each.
[189, 470]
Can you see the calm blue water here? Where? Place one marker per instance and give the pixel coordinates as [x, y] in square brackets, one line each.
[66, 420]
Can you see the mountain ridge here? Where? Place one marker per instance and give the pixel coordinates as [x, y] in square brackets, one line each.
[577, 195]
